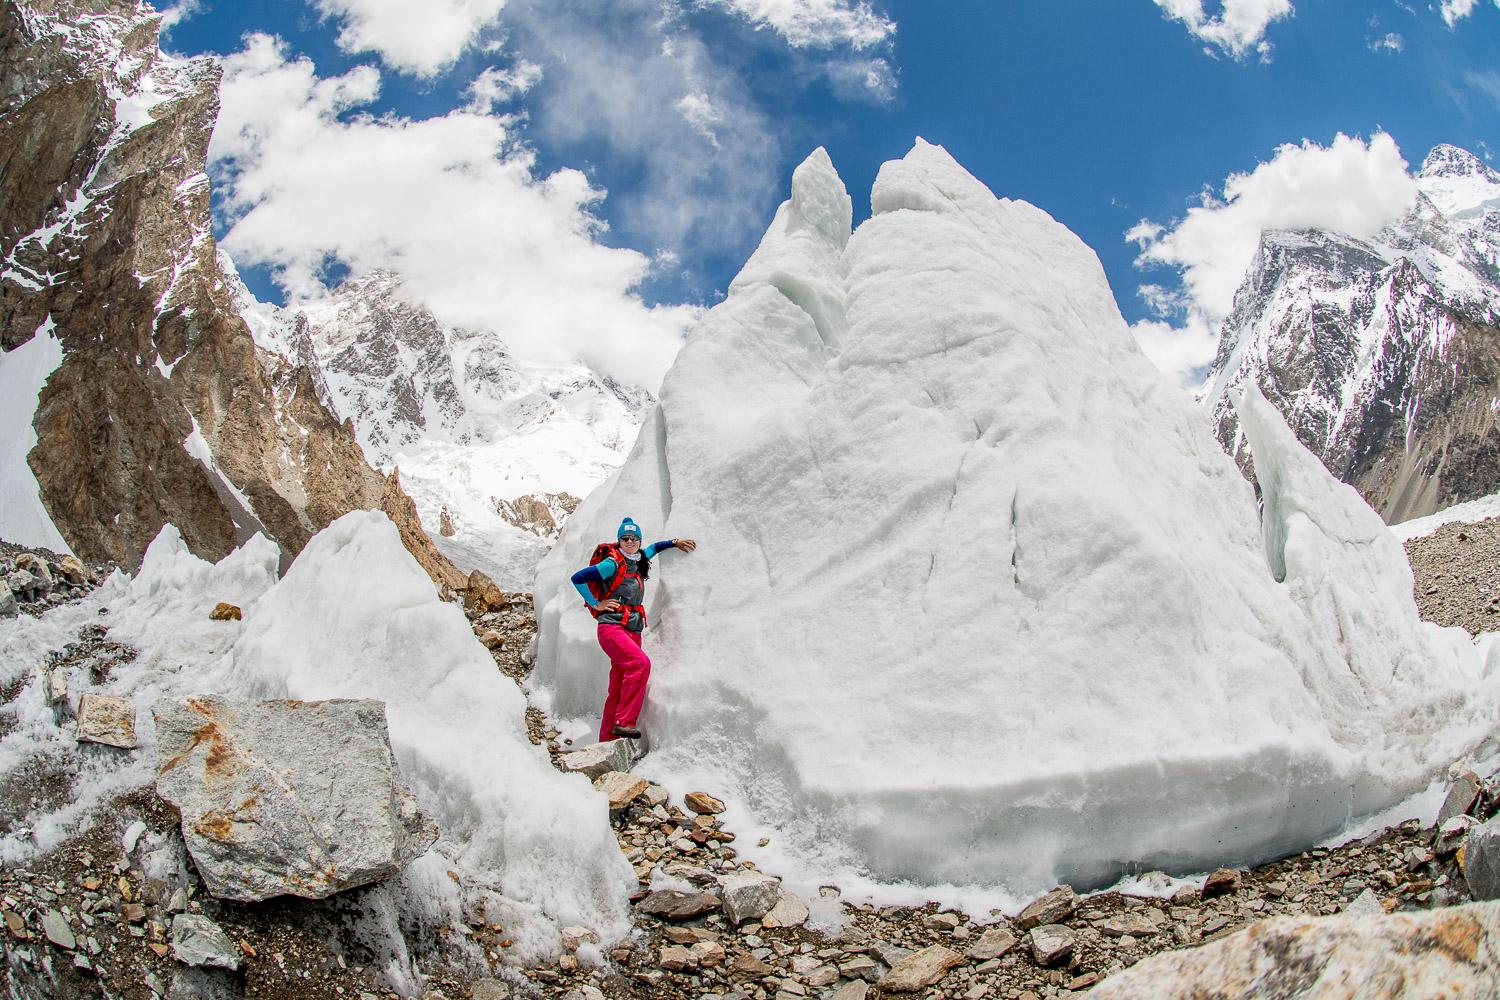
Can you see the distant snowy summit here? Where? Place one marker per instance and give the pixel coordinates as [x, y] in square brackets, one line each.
[474, 431]
[1383, 354]
[978, 600]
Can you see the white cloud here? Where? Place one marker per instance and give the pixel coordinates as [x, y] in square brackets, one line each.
[1183, 354]
[815, 23]
[179, 12]
[1240, 27]
[453, 204]
[1390, 43]
[1456, 10]
[418, 38]
[667, 111]
[1351, 186]
[494, 86]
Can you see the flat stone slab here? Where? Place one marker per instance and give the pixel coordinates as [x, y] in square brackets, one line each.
[993, 943]
[920, 970]
[789, 911]
[1051, 908]
[287, 797]
[673, 904]
[106, 719]
[599, 759]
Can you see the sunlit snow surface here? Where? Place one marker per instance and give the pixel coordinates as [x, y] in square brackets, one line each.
[980, 605]
[354, 617]
[23, 373]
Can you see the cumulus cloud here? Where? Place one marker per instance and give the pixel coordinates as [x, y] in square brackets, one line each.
[422, 39]
[1183, 353]
[454, 204]
[672, 113]
[1456, 10]
[179, 12]
[1240, 27]
[1392, 42]
[1350, 186]
[815, 23]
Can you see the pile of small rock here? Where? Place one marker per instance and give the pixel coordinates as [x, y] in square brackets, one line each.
[1456, 572]
[33, 580]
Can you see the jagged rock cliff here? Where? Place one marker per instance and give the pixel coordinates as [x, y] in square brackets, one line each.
[162, 408]
[1382, 354]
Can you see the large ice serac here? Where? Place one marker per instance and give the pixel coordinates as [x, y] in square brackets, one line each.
[979, 600]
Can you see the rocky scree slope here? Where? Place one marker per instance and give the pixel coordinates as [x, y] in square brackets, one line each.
[162, 409]
[1382, 354]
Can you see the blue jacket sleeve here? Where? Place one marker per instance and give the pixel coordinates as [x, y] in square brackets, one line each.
[598, 573]
[655, 547]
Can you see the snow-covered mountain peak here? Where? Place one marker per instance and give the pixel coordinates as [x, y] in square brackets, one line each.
[1459, 183]
[1378, 351]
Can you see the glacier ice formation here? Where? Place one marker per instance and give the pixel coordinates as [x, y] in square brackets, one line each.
[979, 601]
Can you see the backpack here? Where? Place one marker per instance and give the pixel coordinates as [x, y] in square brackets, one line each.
[603, 589]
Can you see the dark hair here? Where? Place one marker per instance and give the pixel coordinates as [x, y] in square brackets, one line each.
[645, 567]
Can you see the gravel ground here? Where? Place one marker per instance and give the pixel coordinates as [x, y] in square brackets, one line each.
[307, 949]
[1456, 572]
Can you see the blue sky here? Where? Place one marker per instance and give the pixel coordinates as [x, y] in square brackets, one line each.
[691, 115]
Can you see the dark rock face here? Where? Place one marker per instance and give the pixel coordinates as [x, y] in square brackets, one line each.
[1382, 354]
[163, 410]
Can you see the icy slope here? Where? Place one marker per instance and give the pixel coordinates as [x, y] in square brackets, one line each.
[354, 617]
[979, 600]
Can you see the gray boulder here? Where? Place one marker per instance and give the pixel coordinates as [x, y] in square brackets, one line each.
[25, 586]
[1461, 795]
[8, 608]
[287, 797]
[748, 895]
[1444, 952]
[1482, 860]
[198, 941]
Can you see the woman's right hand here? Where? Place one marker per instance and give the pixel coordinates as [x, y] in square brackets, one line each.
[609, 604]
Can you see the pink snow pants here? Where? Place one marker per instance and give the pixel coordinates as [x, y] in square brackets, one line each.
[629, 669]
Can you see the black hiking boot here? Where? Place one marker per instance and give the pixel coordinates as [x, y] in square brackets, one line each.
[629, 732]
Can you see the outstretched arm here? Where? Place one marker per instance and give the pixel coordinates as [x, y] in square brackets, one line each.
[685, 544]
[598, 573]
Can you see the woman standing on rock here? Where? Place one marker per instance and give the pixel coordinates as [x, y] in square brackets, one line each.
[613, 586]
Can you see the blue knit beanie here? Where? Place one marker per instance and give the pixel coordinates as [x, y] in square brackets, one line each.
[628, 527]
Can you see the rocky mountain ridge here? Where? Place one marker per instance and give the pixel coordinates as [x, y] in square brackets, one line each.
[1383, 354]
[483, 439]
[161, 409]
